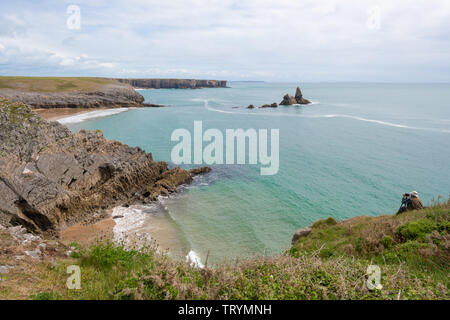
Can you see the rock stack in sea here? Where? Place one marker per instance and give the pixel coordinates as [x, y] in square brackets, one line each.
[298, 99]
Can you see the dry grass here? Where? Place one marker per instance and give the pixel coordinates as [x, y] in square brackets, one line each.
[330, 263]
[27, 275]
[53, 84]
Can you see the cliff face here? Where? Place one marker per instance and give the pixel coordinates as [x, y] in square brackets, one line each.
[174, 83]
[110, 95]
[51, 178]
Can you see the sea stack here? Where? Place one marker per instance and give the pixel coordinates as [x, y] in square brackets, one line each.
[298, 99]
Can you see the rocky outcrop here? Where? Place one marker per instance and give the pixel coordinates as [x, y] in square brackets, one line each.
[288, 100]
[174, 83]
[301, 233]
[273, 105]
[298, 99]
[201, 170]
[51, 178]
[110, 95]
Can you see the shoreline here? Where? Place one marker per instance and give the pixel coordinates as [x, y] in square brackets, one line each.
[77, 115]
[55, 114]
[136, 226]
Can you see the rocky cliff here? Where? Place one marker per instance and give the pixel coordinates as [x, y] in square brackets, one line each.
[51, 178]
[174, 83]
[111, 94]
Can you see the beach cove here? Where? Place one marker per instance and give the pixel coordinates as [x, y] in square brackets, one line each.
[348, 153]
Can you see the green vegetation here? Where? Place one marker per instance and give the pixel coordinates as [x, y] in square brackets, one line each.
[53, 84]
[417, 241]
[411, 249]
[45, 296]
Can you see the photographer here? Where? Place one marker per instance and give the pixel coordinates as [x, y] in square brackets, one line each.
[410, 201]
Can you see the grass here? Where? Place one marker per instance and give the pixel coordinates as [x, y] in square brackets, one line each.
[418, 240]
[53, 84]
[411, 249]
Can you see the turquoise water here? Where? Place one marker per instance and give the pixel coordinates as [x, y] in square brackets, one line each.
[353, 152]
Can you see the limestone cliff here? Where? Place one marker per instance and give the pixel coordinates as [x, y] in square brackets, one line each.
[174, 83]
[110, 94]
[51, 178]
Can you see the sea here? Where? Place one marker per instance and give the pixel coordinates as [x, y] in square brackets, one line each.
[353, 151]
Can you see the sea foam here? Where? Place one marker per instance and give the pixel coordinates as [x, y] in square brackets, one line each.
[91, 115]
[127, 220]
[193, 259]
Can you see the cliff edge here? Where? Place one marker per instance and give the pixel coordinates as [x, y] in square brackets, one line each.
[174, 83]
[54, 92]
[51, 178]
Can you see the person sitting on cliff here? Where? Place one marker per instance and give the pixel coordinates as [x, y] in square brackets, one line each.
[410, 201]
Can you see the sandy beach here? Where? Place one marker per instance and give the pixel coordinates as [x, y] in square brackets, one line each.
[54, 114]
[88, 234]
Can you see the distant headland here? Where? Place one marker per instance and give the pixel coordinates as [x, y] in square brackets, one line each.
[174, 83]
[89, 92]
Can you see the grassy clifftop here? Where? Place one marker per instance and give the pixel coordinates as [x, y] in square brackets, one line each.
[412, 251]
[53, 84]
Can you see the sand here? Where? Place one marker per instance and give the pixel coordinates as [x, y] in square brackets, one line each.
[53, 114]
[88, 234]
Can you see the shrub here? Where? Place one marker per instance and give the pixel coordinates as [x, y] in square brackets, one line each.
[324, 222]
[387, 241]
[326, 253]
[416, 229]
[359, 245]
[104, 255]
[443, 227]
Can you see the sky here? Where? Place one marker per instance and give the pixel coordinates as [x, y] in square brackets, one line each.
[282, 40]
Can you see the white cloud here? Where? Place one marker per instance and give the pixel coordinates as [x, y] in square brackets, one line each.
[272, 40]
[106, 64]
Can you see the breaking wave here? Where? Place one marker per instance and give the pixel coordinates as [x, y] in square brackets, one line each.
[380, 122]
[91, 115]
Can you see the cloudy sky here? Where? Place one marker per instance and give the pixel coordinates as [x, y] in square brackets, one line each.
[280, 40]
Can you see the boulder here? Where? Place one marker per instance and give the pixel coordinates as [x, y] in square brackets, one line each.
[198, 171]
[273, 105]
[301, 233]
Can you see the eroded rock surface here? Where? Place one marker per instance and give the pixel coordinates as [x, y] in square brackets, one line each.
[51, 178]
[301, 233]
